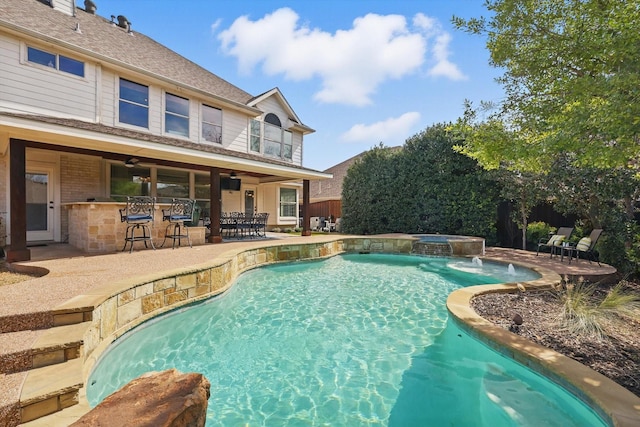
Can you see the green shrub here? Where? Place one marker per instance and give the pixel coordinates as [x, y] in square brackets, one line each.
[536, 231]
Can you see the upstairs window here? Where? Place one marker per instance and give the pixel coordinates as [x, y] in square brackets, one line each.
[57, 62]
[176, 116]
[212, 124]
[277, 142]
[254, 144]
[134, 104]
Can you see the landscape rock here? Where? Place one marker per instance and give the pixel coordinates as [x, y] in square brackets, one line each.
[156, 399]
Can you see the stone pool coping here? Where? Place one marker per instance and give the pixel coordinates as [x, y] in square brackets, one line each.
[612, 402]
[125, 304]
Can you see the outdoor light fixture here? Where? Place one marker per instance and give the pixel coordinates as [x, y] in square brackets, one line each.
[131, 162]
[233, 175]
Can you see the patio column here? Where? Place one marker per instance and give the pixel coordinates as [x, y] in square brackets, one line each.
[306, 220]
[18, 250]
[215, 205]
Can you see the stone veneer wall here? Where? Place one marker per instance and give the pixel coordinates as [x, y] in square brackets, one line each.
[130, 305]
[97, 228]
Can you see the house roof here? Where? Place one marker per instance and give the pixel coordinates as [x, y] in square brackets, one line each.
[297, 124]
[331, 189]
[101, 39]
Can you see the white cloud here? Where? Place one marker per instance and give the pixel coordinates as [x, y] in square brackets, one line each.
[444, 67]
[216, 25]
[350, 64]
[390, 132]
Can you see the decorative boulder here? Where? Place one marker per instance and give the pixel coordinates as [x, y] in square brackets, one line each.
[156, 399]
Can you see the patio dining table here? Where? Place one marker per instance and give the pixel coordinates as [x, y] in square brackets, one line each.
[241, 225]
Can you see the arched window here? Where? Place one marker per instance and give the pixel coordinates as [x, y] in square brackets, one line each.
[273, 119]
[277, 142]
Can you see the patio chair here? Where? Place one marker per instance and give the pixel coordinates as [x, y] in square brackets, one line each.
[260, 224]
[555, 241]
[181, 211]
[138, 214]
[585, 246]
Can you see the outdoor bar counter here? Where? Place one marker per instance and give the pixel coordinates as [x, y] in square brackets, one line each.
[95, 227]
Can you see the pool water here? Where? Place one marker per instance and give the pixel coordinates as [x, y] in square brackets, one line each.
[353, 340]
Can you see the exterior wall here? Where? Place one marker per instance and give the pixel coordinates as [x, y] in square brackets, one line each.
[235, 131]
[232, 201]
[80, 179]
[27, 87]
[108, 98]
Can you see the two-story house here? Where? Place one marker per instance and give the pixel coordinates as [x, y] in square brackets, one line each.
[93, 111]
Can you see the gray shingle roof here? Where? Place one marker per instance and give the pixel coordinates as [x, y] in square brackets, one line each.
[103, 39]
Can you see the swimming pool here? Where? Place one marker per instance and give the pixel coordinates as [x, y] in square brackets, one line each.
[351, 340]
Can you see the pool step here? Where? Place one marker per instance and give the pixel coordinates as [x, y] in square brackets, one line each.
[41, 370]
[45, 319]
[25, 350]
[50, 389]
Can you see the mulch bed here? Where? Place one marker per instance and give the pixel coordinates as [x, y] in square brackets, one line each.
[617, 355]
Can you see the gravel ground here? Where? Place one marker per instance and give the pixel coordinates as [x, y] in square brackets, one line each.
[617, 355]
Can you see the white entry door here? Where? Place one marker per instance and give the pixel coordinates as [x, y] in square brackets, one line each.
[40, 203]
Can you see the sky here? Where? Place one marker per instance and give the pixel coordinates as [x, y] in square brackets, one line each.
[359, 72]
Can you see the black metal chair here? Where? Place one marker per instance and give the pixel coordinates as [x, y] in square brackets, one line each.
[138, 214]
[555, 241]
[586, 246]
[181, 211]
[260, 224]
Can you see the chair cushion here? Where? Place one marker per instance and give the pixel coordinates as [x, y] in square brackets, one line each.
[139, 217]
[555, 240]
[584, 244]
[179, 217]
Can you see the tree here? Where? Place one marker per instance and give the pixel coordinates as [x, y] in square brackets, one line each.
[425, 187]
[571, 73]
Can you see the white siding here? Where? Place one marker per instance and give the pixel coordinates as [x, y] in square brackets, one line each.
[297, 148]
[271, 105]
[28, 87]
[108, 101]
[235, 131]
[156, 110]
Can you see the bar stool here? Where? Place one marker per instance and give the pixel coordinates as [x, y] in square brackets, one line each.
[138, 214]
[181, 210]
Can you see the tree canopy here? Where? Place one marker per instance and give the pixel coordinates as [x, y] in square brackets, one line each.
[425, 187]
[571, 78]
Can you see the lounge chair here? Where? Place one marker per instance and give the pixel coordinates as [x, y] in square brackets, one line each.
[585, 246]
[555, 241]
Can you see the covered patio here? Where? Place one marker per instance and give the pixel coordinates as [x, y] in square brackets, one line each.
[115, 146]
